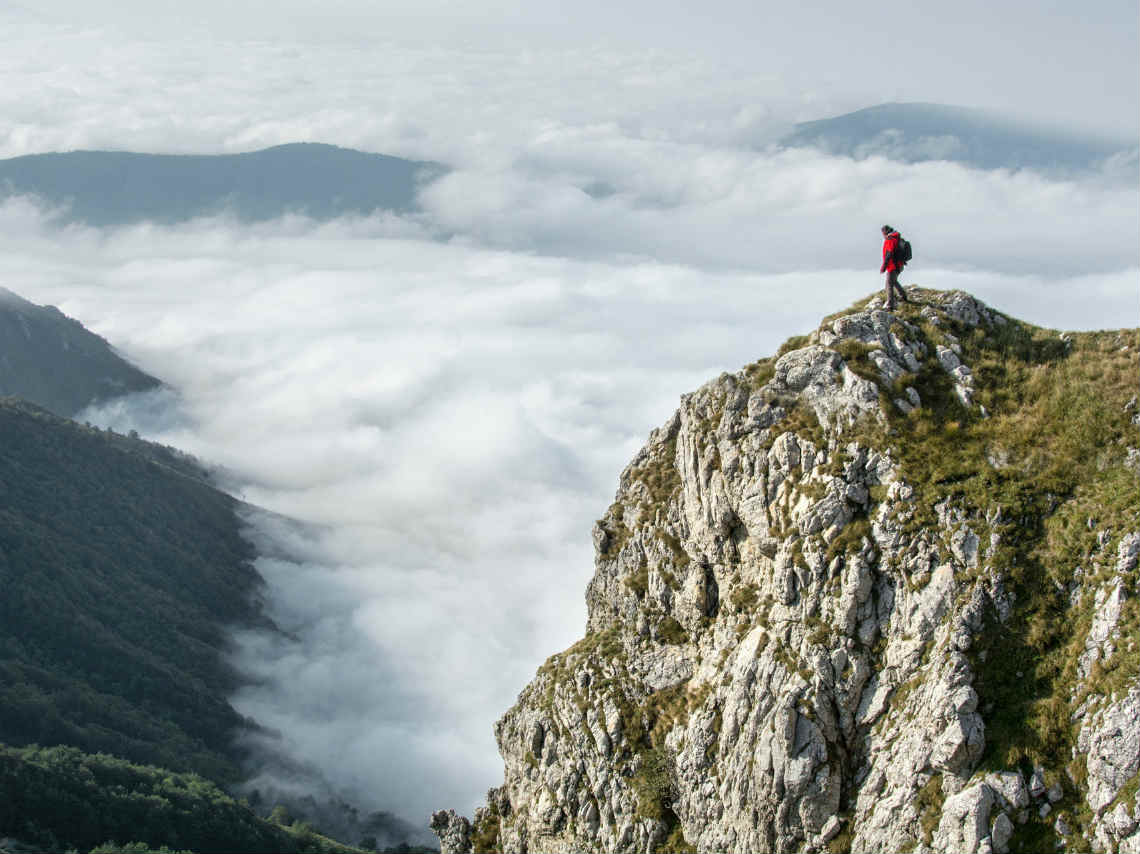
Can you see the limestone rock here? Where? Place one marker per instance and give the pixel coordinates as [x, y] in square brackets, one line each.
[1110, 741]
[1098, 643]
[1010, 788]
[454, 832]
[965, 820]
[784, 641]
[1001, 833]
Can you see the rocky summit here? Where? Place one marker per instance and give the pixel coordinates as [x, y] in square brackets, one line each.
[876, 593]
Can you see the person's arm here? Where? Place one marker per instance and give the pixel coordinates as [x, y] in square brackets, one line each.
[886, 255]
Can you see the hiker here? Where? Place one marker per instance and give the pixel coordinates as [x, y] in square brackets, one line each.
[892, 264]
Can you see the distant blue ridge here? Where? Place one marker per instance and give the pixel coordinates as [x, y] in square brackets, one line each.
[105, 188]
[109, 188]
[913, 133]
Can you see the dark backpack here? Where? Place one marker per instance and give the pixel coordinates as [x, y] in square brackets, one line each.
[902, 253]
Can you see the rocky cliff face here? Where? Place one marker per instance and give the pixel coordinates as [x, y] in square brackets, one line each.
[878, 593]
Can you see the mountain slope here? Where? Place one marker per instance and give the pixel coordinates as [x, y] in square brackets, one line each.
[106, 188]
[877, 593]
[916, 132]
[120, 574]
[123, 572]
[52, 361]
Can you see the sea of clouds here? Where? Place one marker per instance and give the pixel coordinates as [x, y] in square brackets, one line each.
[432, 410]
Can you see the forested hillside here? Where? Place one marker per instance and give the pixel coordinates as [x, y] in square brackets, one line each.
[53, 361]
[120, 572]
[110, 800]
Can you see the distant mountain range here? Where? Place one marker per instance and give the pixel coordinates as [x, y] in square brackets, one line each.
[110, 188]
[918, 132]
[53, 361]
[104, 188]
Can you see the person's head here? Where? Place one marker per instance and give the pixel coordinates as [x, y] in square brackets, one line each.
[887, 230]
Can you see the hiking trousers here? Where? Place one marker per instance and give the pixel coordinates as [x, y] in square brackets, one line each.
[892, 286]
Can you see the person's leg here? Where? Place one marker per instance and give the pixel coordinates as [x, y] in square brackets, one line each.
[892, 284]
[902, 293]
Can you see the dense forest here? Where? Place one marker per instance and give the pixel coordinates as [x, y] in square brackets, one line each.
[61, 798]
[120, 574]
[122, 569]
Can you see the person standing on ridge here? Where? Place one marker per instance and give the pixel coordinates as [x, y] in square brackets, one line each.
[892, 264]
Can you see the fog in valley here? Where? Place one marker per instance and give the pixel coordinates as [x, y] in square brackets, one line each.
[432, 408]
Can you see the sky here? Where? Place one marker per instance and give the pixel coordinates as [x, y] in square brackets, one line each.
[431, 411]
[1037, 57]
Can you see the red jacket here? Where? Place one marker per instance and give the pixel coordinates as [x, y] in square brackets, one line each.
[889, 246]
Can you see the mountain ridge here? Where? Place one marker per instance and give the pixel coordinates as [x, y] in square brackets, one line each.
[914, 132]
[53, 361]
[111, 188]
[855, 597]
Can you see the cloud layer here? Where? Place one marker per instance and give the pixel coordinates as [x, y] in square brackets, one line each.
[444, 402]
[449, 420]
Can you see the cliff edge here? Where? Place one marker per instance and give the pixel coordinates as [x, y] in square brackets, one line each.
[876, 593]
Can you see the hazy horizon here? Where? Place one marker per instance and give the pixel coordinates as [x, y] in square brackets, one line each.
[924, 51]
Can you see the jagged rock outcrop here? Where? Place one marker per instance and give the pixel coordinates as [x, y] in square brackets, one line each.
[1109, 737]
[857, 597]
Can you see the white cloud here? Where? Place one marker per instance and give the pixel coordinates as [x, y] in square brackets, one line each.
[453, 419]
[448, 417]
[70, 89]
[730, 208]
[926, 50]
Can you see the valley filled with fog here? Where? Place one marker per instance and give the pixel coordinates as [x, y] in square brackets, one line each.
[432, 407]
